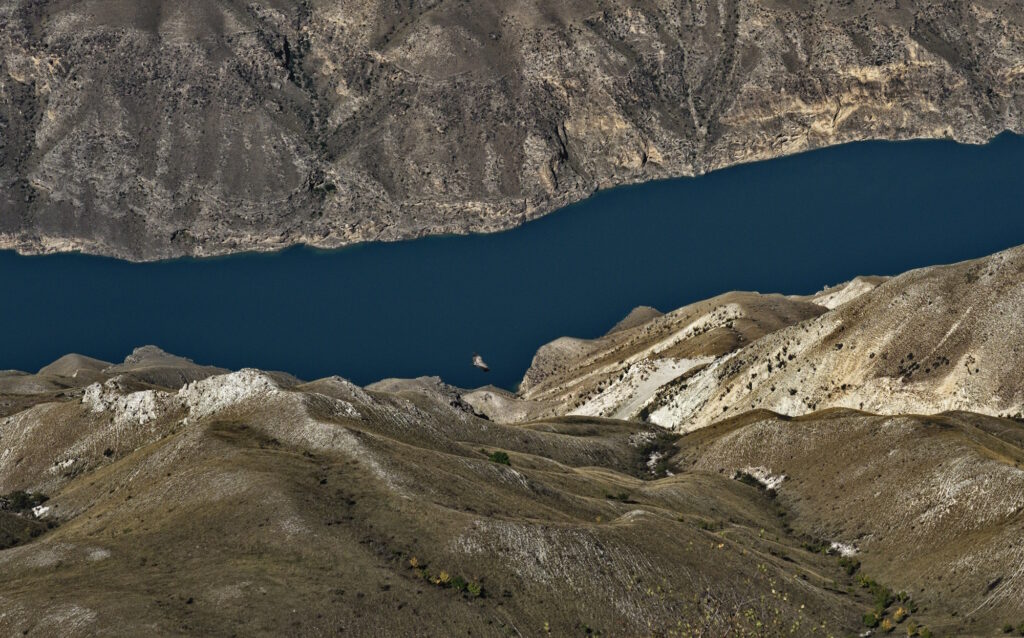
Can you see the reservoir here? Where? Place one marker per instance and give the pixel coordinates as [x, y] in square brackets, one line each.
[422, 307]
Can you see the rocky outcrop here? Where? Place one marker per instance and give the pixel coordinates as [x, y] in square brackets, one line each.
[187, 128]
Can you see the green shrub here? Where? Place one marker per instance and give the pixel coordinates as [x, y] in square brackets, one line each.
[21, 501]
[499, 457]
[851, 565]
[475, 590]
[870, 620]
[882, 595]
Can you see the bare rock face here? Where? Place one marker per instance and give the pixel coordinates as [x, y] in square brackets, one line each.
[160, 129]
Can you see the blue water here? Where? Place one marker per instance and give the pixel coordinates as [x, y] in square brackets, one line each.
[421, 307]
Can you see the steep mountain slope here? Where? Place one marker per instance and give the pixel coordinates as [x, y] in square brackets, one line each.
[155, 129]
[162, 497]
[616, 374]
[834, 296]
[934, 339]
[932, 505]
[931, 340]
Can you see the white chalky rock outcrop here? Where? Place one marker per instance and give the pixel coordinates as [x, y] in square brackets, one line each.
[203, 398]
[136, 407]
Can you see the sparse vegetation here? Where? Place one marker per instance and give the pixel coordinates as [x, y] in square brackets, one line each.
[883, 598]
[21, 502]
[849, 564]
[621, 497]
[881, 594]
[500, 458]
[659, 448]
[447, 580]
[748, 479]
[751, 480]
[738, 564]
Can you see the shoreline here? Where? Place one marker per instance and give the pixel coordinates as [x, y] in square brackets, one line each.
[43, 247]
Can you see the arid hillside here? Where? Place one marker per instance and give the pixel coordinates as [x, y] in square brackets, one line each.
[237, 504]
[155, 129]
[246, 502]
[936, 339]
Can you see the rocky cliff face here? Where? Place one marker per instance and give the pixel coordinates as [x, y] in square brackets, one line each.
[158, 129]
